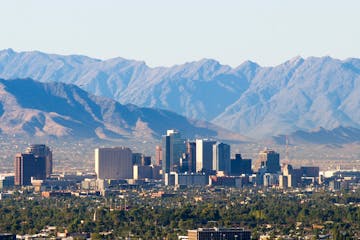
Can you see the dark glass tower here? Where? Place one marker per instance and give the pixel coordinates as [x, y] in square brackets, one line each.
[173, 146]
[43, 151]
[28, 165]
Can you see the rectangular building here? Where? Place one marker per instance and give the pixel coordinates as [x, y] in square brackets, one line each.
[113, 163]
[173, 147]
[204, 155]
[28, 166]
[221, 158]
[219, 234]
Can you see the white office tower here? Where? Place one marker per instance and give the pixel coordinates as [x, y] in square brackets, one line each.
[221, 158]
[113, 163]
[204, 155]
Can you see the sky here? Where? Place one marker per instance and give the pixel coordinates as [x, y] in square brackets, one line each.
[168, 32]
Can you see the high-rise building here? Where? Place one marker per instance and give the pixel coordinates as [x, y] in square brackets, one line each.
[221, 158]
[6, 182]
[136, 158]
[158, 155]
[219, 234]
[29, 166]
[283, 181]
[173, 146]
[270, 160]
[184, 163]
[240, 166]
[191, 156]
[204, 155]
[310, 171]
[146, 160]
[113, 163]
[41, 150]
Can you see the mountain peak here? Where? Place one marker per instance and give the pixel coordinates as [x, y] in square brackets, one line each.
[250, 99]
[62, 110]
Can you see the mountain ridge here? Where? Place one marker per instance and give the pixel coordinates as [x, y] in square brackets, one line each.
[61, 110]
[298, 95]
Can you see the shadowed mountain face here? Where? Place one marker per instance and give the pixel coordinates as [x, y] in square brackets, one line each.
[298, 95]
[62, 110]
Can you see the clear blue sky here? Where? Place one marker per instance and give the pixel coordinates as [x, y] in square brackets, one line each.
[166, 32]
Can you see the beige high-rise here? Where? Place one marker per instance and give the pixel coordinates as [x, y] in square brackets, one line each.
[113, 163]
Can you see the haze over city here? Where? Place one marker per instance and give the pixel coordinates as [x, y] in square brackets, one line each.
[179, 120]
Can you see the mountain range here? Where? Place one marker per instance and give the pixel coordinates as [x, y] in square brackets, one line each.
[299, 95]
[35, 109]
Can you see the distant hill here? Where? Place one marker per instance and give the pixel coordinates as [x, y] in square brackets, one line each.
[339, 135]
[260, 102]
[61, 110]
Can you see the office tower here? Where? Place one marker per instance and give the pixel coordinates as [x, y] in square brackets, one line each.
[136, 158]
[29, 166]
[173, 146]
[270, 160]
[191, 155]
[158, 155]
[204, 154]
[310, 171]
[41, 150]
[293, 175]
[240, 166]
[283, 181]
[142, 172]
[184, 163]
[221, 158]
[113, 163]
[145, 160]
[6, 182]
[191, 179]
[219, 234]
[287, 169]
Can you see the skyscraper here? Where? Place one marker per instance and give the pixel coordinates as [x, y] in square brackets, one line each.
[173, 146]
[240, 166]
[158, 155]
[191, 155]
[270, 160]
[41, 150]
[204, 154]
[113, 163]
[28, 165]
[221, 157]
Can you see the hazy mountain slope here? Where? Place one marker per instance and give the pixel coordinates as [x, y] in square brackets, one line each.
[300, 94]
[297, 95]
[339, 135]
[184, 89]
[61, 110]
